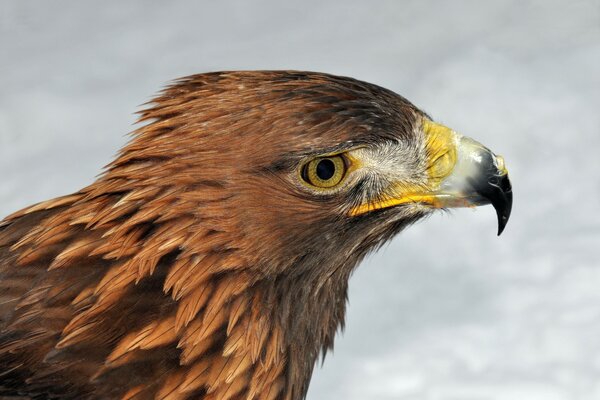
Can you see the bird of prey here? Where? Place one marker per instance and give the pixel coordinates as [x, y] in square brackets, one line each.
[211, 259]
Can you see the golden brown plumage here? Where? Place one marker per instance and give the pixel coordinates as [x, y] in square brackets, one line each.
[196, 266]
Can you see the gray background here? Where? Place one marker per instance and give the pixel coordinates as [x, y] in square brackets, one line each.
[447, 310]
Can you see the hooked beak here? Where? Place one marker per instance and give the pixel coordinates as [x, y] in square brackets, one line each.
[479, 178]
[462, 173]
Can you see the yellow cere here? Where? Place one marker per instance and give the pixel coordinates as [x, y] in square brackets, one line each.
[441, 151]
[442, 156]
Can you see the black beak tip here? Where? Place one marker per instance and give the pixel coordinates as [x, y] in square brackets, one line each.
[492, 186]
[502, 220]
[502, 201]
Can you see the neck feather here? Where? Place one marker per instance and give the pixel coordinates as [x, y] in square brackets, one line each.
[141, 304]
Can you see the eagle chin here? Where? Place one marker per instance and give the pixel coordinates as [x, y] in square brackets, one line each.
[211, 259]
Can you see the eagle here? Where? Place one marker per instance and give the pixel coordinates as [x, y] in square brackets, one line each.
[210, 260]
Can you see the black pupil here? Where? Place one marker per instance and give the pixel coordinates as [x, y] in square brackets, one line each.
[325, 169]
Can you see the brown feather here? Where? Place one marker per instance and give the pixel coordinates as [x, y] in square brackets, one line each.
[193, 268]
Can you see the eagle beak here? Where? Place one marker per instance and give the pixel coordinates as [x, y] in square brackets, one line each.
[479, 177]
[461, 173]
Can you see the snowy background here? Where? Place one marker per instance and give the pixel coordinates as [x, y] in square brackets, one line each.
[447, 310]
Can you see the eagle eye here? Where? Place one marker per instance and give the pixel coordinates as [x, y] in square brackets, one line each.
[324, 172]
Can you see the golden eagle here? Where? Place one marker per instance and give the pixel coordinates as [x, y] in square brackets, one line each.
[211, 259]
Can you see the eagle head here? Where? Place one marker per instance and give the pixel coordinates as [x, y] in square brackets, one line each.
[211, 259]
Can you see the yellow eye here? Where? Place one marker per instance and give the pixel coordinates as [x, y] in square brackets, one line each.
[324, 172]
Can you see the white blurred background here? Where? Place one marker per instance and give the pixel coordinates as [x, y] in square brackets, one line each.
[447, 310]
